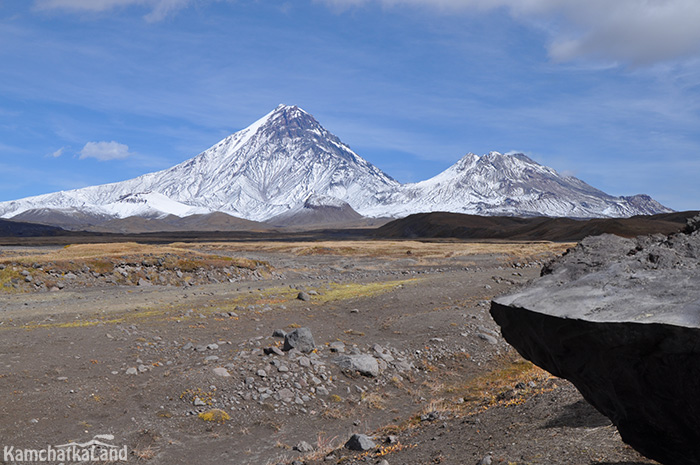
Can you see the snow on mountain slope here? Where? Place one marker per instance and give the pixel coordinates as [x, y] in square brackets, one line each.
[277, 164]
[513, 184]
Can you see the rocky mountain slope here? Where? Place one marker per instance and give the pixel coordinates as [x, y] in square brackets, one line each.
[274, 166]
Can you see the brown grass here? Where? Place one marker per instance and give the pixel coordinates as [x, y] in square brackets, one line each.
[497, 387]
[394, 249]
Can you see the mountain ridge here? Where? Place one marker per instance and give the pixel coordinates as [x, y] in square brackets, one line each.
[276, 164]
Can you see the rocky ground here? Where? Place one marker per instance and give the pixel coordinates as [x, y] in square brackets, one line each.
[209, 359]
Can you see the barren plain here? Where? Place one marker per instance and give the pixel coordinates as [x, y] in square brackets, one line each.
[176, 351]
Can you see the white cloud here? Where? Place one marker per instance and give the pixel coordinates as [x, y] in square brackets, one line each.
[638, 32]
[57, 153]
[104, 151]
[159, 8]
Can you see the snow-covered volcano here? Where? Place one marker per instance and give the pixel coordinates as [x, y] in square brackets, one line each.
[262, 171]
[514, 185]
[275, 165]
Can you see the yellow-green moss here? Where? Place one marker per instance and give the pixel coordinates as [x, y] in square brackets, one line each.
[216, 415]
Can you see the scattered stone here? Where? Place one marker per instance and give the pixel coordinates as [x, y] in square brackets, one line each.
[197, 402]
[188, 346]
[262, 373]
[300, 339]
[211, 358]
[132, 371]
[213, 346]
[364, 364]
[337, 346]
[383, 353]
[488, 338]
[487, 460]
[304, 447]
[279, 333]
[360, 442]
[303, 296]
[274, 350]
[144, 282]
[322, 391]
[223, 372]
[286, 395]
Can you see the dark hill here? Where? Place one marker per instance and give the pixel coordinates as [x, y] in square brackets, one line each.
[454, 225]
[204, 223]
[9, 228]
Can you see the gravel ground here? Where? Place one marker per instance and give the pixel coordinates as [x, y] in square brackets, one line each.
[405, 352]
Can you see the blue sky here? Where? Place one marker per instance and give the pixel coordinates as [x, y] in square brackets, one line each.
[95, 91]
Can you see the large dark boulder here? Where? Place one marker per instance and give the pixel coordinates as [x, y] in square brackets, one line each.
[620, 319]
[300, 339]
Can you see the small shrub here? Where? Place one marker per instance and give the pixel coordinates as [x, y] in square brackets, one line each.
[216, 415]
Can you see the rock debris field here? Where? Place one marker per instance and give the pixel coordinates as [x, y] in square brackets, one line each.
[252, 354]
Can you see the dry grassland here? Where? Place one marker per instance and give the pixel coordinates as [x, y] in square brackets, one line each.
[392, 249]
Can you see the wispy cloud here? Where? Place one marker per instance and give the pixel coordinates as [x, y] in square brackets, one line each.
[159, 9]
[636, 32]
[104, 151]
[57, 153]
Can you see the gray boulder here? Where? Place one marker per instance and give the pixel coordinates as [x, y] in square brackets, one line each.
[620, 319]
[300, 339]
[364, 364]
[360, 442]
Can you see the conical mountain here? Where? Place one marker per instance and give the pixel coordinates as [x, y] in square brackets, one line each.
[262, 171]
